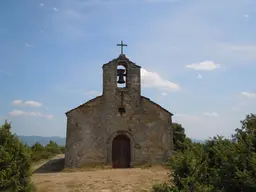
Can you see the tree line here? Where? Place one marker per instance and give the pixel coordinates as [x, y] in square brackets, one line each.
[40, 152]
[218, 165]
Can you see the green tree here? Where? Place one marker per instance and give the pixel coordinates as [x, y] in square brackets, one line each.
[187, 167]
[219, 164]
[180, 140]
[14, 162]
[62, 149]
[53, 147]
[245, 140]
[247, 133]
[39, 152]
[37, 147]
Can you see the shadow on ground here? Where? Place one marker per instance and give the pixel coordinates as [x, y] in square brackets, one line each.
[51, 166]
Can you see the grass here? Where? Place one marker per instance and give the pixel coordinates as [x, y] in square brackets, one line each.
[37, 164]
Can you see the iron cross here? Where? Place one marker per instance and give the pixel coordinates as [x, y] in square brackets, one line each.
[121, 45]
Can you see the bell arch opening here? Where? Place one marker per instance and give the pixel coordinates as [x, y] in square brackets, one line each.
[121, 76]
[121, 152]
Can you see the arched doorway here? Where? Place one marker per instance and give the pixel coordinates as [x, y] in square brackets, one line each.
[121, 152]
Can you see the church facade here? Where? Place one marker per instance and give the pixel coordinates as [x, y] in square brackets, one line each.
[121, 127]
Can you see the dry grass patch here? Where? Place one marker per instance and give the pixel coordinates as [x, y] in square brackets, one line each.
[108, 180]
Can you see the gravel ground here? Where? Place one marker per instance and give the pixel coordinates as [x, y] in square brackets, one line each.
[101, 180]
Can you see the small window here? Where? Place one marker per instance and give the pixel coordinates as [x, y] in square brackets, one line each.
[121, 110]
[121, 76]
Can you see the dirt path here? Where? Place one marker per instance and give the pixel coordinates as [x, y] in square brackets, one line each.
[41, 163]
[108, 180]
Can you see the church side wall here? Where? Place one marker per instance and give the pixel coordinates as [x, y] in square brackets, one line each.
[154, 135]
[84, 135]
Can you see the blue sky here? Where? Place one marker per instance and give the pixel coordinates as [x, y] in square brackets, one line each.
[197, 57]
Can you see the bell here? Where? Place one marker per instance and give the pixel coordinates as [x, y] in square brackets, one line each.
[120, 74]
[121, 79]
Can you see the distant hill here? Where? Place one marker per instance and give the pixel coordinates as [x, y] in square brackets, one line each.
[197, 141]
[30, 140]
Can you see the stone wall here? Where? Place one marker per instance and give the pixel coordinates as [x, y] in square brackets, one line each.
[93, 126]
[154, 133]
[84, 134]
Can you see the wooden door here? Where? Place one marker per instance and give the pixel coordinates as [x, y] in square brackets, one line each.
[121, 152]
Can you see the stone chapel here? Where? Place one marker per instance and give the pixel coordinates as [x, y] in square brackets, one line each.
[121, 127]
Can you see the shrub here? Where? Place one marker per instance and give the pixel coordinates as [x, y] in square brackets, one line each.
[62, 149]
[14, 162]
[38, 155]
[163, 188]
[40, 152]
[53, 148]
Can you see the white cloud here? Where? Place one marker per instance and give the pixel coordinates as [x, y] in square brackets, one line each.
[203, 66]
[20, 113]
[249, 95]
[32, 103]
[41, 4]
[211, 114]
[246, 15]
[29, 113]
[55, 9]
[204, 32]
[27, 103]
[17, 102]
[152, 79]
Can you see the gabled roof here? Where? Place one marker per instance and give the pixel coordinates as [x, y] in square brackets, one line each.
[122, 57]
[84, 104]
[159, 106]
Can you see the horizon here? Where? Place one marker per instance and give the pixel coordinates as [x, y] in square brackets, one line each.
[197, 60]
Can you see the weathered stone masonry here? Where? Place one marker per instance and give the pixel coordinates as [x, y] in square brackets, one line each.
[91, 127]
